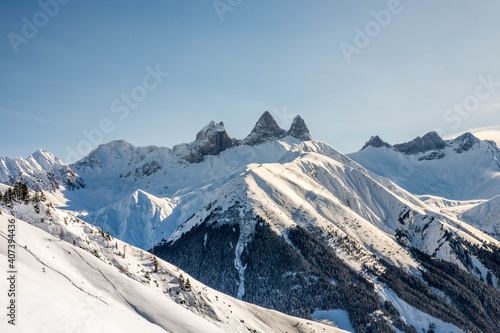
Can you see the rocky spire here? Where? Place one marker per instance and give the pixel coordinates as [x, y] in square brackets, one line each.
[265, 129]
[213, 139]
[210, 140]
[299, 129]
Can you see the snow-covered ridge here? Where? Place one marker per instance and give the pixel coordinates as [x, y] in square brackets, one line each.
[41, 170]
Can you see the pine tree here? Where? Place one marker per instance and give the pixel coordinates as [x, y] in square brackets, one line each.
[181, 282]
[15, 192]
[9, 194]
[155, 263]
[24, 193]
[187, 286]
[36, 197]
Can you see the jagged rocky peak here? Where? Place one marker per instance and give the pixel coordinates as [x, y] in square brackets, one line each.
[299, 129]
[210, 140]
[430, 141]
[377, 142]
[213, 139]
[465, 142]
[265, 129]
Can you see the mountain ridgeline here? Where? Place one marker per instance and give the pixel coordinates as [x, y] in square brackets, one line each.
[464, 168]
[429, 142]
[291, 224]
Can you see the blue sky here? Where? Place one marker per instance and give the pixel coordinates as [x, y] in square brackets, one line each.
[282, 56]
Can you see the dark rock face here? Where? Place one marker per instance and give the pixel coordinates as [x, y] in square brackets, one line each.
[435, 155]
[465, 142]
[299, 129]
[430, 141]
[213, 139]
[264, 130]
[377, 142]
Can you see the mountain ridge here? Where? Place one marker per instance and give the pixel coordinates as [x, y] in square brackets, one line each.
[430, 141]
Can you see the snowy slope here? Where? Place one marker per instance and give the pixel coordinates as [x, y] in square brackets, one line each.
[485, 216]
[138, 219]
[63, 286]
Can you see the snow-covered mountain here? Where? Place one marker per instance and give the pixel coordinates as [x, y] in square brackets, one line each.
[73, 275]
[314, 222]
[464, 168]
[41, 170]
[289, 223]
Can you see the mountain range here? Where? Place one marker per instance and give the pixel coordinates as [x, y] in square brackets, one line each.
[400, 237]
